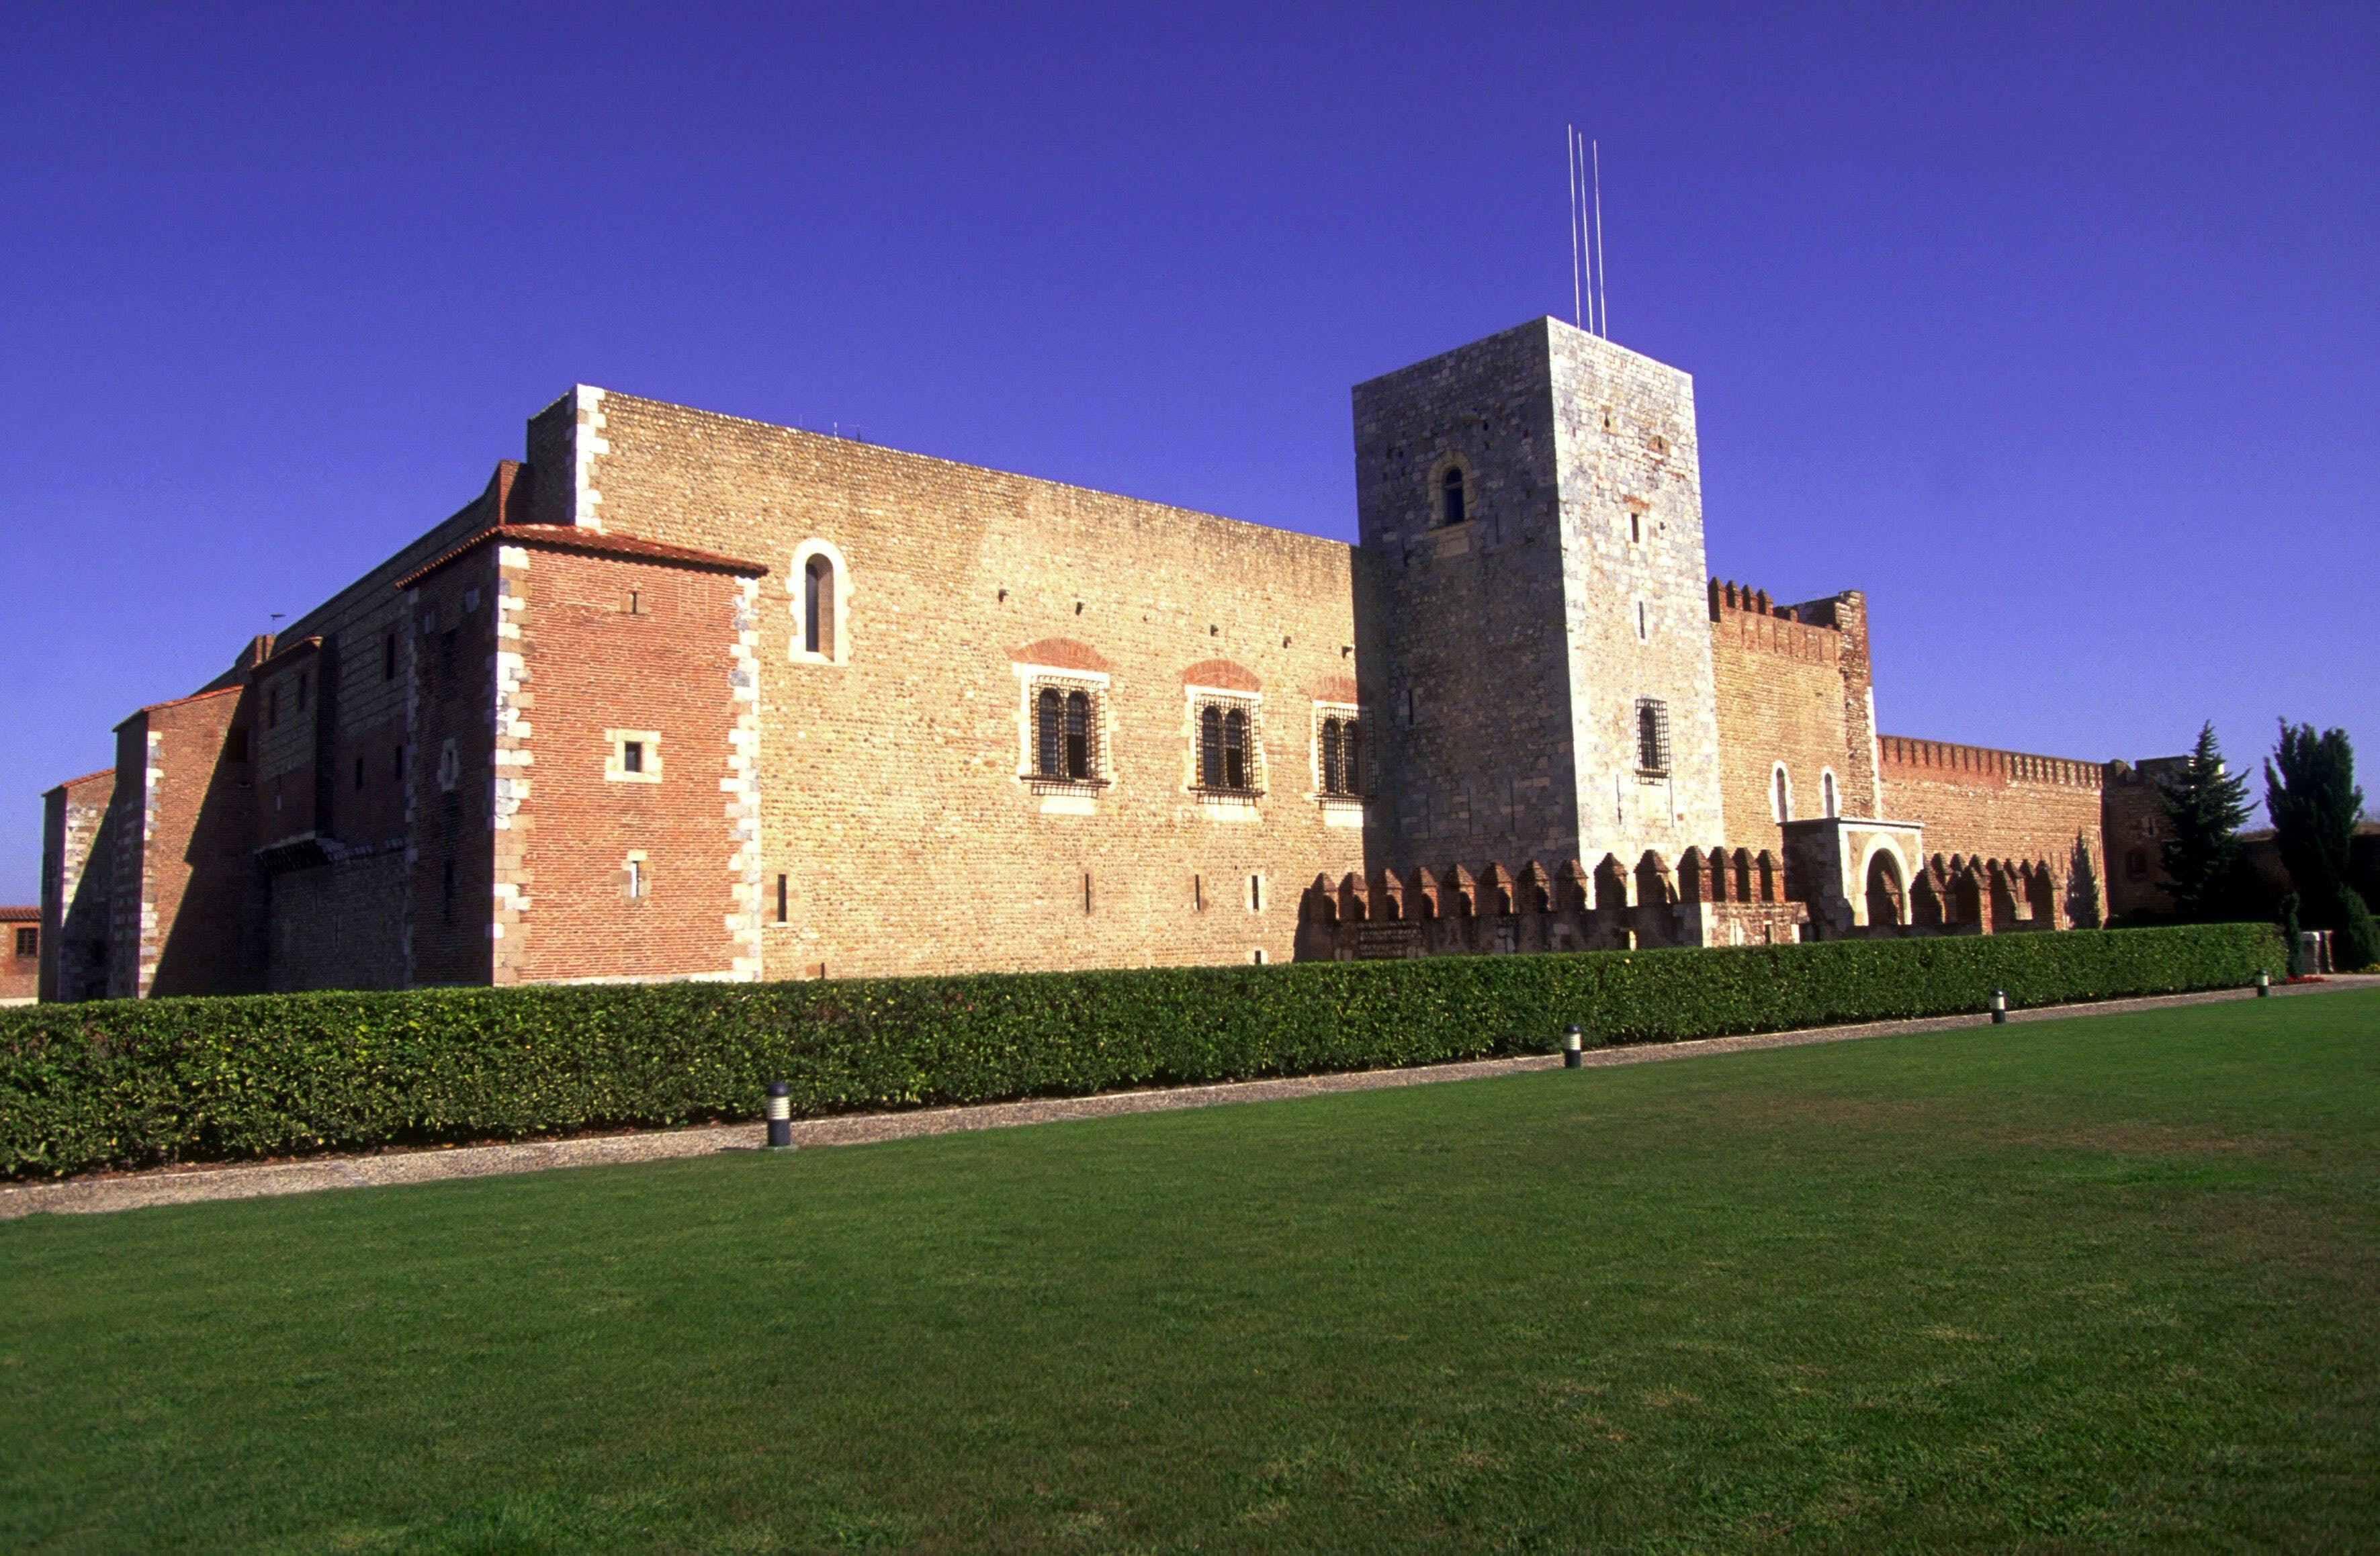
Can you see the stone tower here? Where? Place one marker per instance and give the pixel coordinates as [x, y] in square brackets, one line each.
[1534, 625]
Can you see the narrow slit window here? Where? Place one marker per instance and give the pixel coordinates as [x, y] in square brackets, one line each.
[817, 608]
[1450, 485]
[780, 900]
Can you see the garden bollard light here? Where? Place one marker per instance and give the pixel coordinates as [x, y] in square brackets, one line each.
[1573, 1042]
[779, 1111]
[2263, 984]
[1999, 1008]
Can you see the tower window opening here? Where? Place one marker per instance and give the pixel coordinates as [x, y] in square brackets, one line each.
[1636, 527]
[1780, 793]
[1827, 795]
[1452, 509]
[1652, 736]
[780, 898]
[1341, 757]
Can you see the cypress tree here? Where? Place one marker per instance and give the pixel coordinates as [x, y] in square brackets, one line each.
[2204, 809]
[2311, 793]
[2289, 932]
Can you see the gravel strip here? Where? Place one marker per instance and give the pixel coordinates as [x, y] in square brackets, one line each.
[172, 1185]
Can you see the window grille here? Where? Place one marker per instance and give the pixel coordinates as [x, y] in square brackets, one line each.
[1343, 761]
[1228, 757]
[1652, 736]
[29, 942]
[1066, 735]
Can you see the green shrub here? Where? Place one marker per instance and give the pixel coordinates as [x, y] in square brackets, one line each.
[129, 1083]
[2356, 949]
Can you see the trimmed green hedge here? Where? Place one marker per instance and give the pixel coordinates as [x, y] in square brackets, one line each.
[130, 1083]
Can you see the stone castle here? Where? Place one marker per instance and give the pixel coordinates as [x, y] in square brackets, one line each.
[684, 695]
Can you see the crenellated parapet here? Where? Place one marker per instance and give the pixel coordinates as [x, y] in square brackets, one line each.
[1909, 760]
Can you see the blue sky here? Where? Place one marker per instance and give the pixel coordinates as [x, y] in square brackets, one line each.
[2053, 327]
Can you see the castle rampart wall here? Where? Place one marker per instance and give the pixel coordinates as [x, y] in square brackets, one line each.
[892, 764]
[1983, 803]
[1796, 691]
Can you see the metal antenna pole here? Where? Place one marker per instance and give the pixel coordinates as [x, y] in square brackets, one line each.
[1603, 300]
[1569, 145]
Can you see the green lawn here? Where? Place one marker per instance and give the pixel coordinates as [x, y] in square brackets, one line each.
[2111, 1282]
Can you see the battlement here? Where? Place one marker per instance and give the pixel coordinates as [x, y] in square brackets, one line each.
[1750, 619]
[1945, 762]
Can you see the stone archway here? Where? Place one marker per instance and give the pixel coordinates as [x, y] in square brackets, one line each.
[1885, 894]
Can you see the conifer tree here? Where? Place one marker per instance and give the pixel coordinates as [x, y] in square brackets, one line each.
[2204, 809]
[2311, 793]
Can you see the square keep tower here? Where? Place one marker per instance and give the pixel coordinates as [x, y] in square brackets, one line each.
[1535, 636]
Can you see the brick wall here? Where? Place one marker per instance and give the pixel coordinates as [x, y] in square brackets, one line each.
[181, 881]
[2136, 832]
[2001, 805]
[20, 954]
[889, 767]
[78, 870]
[615, 650]
[1793, 689]
[450, 777]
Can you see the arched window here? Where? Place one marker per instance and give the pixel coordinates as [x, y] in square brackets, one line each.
[1047, 716]
[1210, 747]
[1235, 749]
[1781, 794]
[818, 607]
[1078, 734]
[1827, 792]
[1064, 733]
[1452, 510]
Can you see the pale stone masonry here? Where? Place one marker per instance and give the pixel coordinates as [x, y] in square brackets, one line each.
[686, 696]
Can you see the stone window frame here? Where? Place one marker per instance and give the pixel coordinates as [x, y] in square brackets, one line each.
[837, 651]
[1362, 786]
[635, 880]
[1830, 800]
[615, 758]
[1780, 796]
[1196, 701]
[1434, 492]
[1031, 681]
